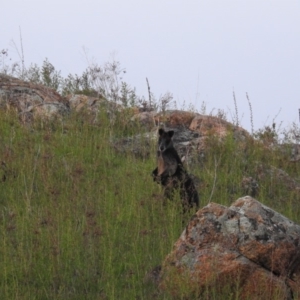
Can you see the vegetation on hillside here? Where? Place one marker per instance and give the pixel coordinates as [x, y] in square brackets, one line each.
[81, 221]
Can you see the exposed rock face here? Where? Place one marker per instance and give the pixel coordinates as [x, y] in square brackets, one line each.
[92, 104]
[185, 141]
[174, 118]
[202, 124]
[246, 249]
[213, 125]
[191, 131]
[30, 99]
[78, 102]
[145, 119]
[34, 100]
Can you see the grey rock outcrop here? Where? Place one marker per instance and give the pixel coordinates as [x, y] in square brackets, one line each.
[247, 248]
[91, 104]
[191, 132]
[29, 99]
[185, 142]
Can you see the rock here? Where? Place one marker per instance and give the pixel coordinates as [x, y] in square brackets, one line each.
[91, 104]
[185, 142]
[29, 99]
[47, 110]
[210, 125]
[34, 100]
[191, 132]
[174, 118]
[78, 102]
[246, 250]
[145, 119]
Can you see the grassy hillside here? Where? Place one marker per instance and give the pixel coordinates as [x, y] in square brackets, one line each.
[81, 221]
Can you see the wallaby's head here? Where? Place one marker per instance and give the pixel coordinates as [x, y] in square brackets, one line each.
[165, 139]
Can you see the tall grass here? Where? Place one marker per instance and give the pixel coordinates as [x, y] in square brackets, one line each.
[79, 220]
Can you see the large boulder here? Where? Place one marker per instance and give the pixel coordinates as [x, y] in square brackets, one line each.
[145, 119]
[30, 99]
[185, 142]
[247, 250]
[192, 131]
[175, 118]
[204, 125]
[80, 102]
[211, 125]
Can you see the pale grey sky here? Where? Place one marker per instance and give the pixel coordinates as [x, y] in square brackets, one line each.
[197, 50]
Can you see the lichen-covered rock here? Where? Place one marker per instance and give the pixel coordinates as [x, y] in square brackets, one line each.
[246, 249]
[185, 142]
[210, 125]
[145, 119]
[175, 118]
[92, 104]
[30, 99]
[79, 102]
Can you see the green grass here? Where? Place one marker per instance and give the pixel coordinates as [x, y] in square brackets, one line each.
[79, 220]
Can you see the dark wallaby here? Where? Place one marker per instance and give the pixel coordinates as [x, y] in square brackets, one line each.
[170, 172]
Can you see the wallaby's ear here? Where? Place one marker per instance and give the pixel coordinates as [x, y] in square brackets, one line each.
[171, 133]
[160, 131]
